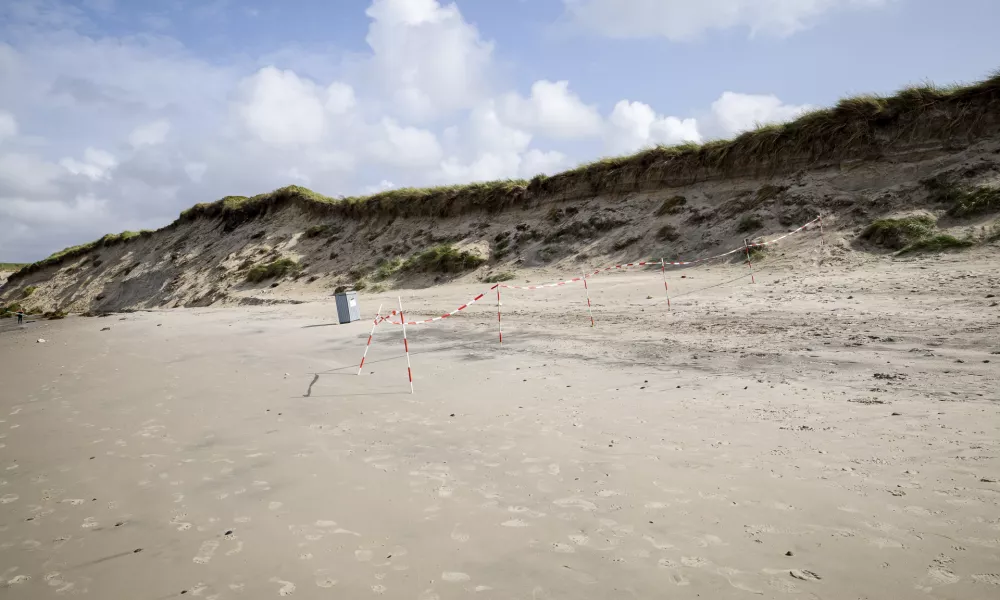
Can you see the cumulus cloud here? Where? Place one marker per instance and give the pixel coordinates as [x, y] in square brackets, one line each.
[281, 108]
[149, 134]
[8, 125]
[734, 113]
[683, 20]
[123, 131]
[554, 110]
[427, 57]
[28, 174]
[635, 125]
[402, 146]
[84, 208]
[95, 164]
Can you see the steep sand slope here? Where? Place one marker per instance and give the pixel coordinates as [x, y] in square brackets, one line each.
[923, 151]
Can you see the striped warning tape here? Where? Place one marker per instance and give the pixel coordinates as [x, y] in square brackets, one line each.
[444, 316]
[387, 318]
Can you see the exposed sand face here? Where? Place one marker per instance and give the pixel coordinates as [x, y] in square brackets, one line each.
[205, 262]
[654, 455]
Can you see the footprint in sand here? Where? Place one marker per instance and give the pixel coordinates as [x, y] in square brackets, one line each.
[89, 523]
[206, 552]
[783, 585]
[454, 577]
[458, 535]
[579, 540]
[942, 576]
[576, 503]
[987, 578]
[804, 575]
[657, 544]
[18, 579]
[274, 505]
[287, 587]
[379, 589]
[515, 523]
[237, 549]
[693, 561]
[563, 548]
[8, 498]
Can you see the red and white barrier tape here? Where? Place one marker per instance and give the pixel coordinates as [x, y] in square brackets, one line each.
[444, 316]
[661, 263]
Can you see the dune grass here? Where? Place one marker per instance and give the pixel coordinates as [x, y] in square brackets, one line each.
[974, 202]
[28, 291]
[749, 223]
[443, 259]
[66, 254]
[11, 267]
[859, 127]
[938, 243]
[272, 270]
[896, 234]
[498, 277]
[385, 269]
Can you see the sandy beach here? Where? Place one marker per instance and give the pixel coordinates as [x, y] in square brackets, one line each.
[829, 432]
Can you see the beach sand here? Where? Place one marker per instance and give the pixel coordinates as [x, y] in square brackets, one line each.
[826, 433]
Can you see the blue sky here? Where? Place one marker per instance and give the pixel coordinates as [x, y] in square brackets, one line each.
[117, 114]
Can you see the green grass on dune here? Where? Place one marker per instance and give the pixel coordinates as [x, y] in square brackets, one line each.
[896, 234]
[938, 243]
[72, 252]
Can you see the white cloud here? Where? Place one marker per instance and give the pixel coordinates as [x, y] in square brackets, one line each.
[634, 125]
[418, 109]
[553, 110]
[84, 208]
[427, 56]
[734, 113]
[8, 125]
[195, 171]
[27, 174]
[536, 162]
[488, 133]
[96, 164]
[383, 186]
[281, 108]
[404, 147]
[149, 134]
[339, 98]
[682, 20]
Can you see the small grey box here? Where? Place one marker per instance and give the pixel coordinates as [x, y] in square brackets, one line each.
[347, 307]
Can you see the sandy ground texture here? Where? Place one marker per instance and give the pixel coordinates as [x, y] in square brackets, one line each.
[826, 433]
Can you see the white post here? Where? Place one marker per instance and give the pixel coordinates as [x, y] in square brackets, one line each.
[663, 271]
[589, 310]
[746, 246]
[406, 345]
[370, 336]
[499, 324]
